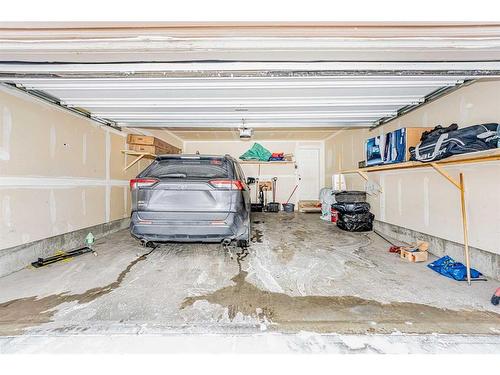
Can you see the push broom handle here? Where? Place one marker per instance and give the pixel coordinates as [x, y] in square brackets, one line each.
[274, 188]
[293, 191]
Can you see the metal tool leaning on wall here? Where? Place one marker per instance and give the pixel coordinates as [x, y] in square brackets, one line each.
[273, 206]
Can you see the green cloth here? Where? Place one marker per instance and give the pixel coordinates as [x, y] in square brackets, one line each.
[257, 152]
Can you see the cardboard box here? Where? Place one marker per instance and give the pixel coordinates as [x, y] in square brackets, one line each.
[144, 148]
[414, 256]
[416, 252]
[139, 139]
[155, 149]
[152, 145]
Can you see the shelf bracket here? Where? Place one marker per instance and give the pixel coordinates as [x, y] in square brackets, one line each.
[445, 174]
[139, 155]
[376, 186]
[133, 162]
[363, 174]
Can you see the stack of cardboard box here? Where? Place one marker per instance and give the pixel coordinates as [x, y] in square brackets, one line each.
[150, 144]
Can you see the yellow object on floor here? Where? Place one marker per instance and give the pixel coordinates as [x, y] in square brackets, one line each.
[309, 206]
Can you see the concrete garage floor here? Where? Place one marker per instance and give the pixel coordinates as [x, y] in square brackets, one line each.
[304, 285]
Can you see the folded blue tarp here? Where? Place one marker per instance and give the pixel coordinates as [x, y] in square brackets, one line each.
[446, 266]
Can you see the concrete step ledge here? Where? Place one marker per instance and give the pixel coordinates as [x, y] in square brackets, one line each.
[486, 262]
[18, 257]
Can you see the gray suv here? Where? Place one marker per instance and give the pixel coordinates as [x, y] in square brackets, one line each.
[191, 198]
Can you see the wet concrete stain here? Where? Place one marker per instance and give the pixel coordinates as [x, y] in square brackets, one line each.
[288, 246]
[286, 217]
[285, 252]
[21, 313]
[240, 257]
[343, 314]
[256, 236]
[300, 234]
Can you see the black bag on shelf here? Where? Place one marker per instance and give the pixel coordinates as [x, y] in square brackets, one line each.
[437, 131]
[440, 143]
[352, 208]
[356, 222]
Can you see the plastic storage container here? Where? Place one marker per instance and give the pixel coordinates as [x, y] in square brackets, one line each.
[257, 207]
[273, 207]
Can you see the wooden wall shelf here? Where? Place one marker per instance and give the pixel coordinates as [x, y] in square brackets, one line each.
[473, 157]
[265, 162]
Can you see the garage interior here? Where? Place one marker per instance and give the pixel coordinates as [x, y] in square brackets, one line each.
[70, 95]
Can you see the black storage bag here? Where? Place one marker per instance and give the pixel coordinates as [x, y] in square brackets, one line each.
[352, 208]
[441, 142]
[356, 222]
[351, 196]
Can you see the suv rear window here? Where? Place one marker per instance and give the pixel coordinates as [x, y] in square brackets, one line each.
[189, 168]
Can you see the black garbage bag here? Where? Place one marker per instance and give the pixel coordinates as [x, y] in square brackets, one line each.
[441, 142]
[351, 196]
[352, 208]
[356, 222]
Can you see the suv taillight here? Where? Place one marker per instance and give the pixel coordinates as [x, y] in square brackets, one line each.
[227, 184]
[142, 182]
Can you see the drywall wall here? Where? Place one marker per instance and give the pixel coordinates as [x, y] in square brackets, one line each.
[59, 172]
[421, 199]
[286, 173]
[259, 134]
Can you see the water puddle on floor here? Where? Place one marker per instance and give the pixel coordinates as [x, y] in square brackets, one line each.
[340, 313]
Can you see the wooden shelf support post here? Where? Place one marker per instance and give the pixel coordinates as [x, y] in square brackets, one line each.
[460, 186]
[464, 224]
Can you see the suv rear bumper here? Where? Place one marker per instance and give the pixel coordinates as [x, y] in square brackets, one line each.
[234, 227]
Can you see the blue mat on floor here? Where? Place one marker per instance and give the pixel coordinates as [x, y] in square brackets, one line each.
[446, 266]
